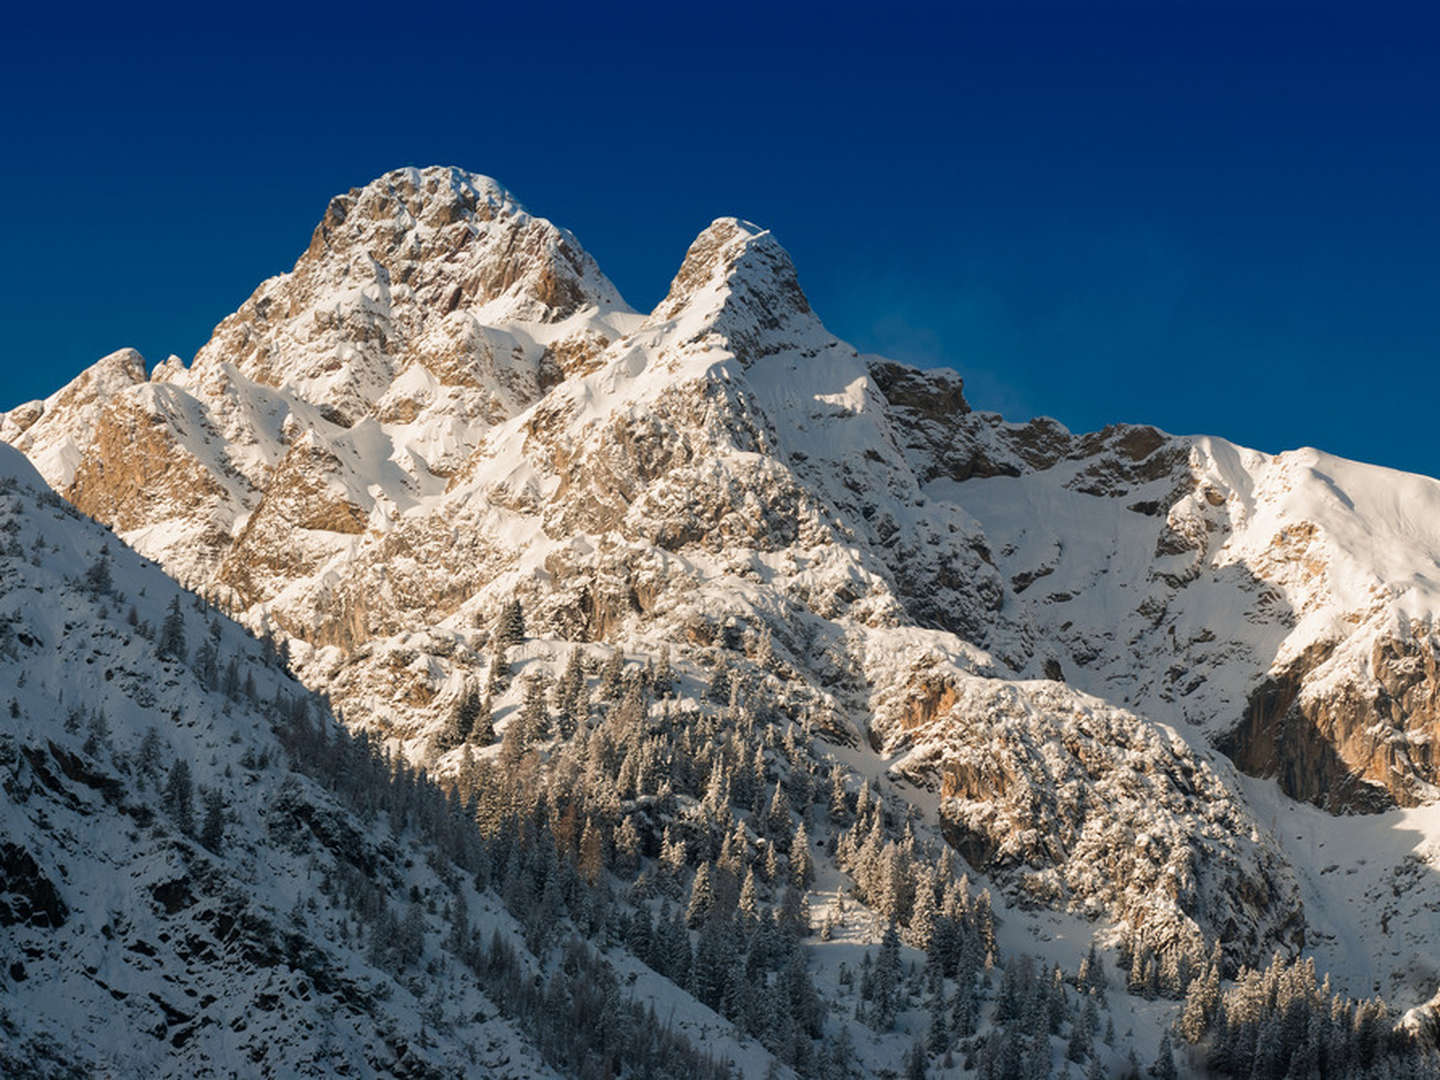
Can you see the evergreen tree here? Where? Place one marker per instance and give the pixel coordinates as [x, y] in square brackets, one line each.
[771, 863]
[627, 847]
[207, 664]
[591, 863]
[777, 817]
[97, 577]
[1200, 1002]
[482, 730]
[915, 1062]
[99, 733]
[1164, 1067]
[515, 743]
[720, 682]
[170, 645]
[150, 755]
[178, 796]
[663, 681]
[1080, 1046]
[612, 675]
[938, 1040]
[702, 898]
[212, 829]
[839, 804]
[802, 867]
[885, 982]
[765, 650]
[449, 737]
[923, 911]
[498, 675]
[533, 712]
[750, 899]
[467, 712]
[510, 628]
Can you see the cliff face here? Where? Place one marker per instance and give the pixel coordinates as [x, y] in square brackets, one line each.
[446, 405]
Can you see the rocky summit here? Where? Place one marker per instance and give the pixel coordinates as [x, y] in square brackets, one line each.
[1162, 701]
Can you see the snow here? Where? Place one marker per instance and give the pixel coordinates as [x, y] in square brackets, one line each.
[1371, 885]
[725, 463]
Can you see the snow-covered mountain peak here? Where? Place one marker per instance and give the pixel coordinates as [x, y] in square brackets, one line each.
[738, 282]
[422, 279]
[55, 431]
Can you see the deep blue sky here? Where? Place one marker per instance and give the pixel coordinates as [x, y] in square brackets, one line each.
[1212, 217]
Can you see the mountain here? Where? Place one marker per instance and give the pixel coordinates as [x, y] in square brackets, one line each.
[1156, 691]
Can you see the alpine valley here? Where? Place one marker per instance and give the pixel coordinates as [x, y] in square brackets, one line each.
[453, 672]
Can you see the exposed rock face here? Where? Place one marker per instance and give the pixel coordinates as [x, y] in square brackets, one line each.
[1084, 807]
[29, 898]
[55, 432]
[445, 404]
[1364, 743]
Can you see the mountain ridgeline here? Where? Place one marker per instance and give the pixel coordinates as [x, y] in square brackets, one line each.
[692, 681]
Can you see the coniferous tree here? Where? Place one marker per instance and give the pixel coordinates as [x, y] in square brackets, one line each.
[1201, 1000]
[885, 981]
[498, 675]
[449, 737]
[98, 733]
[765, 650]
[150, 754]
[212, 829]
[839, 799]
[207, 664]
[534, 713]
[98, 578]
[802, 867]
[482, 731]
[510, 628]
[721, 679]
[923, 912]
[515, 743]
[591, 863]
[170, 645]
[663, 681]
[611, 676]
[938, 1038]
[467, 712]
[627, 846]
[750, 899]
[1164, 1067]
[771, 863]
[178, 796]
[702, 898]
[777, 816]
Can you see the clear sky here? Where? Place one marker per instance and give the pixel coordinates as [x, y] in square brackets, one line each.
[1212, 217]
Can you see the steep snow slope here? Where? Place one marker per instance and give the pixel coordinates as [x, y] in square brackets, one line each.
[1317, 572]
[445, 405]
[129, 947]
[250, 941]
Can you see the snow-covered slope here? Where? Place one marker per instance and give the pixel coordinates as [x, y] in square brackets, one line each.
[199, 873]
[1063, 645]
